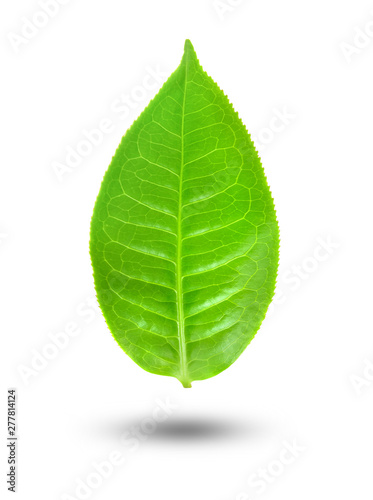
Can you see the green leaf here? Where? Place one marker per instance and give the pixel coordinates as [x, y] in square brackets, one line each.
[184, 237]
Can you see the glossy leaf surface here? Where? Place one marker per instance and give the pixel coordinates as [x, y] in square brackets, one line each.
[184, 237]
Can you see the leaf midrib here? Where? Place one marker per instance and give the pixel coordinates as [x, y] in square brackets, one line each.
[184, 379]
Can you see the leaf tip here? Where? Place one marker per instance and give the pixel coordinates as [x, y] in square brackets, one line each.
[188, 46]
[189, 52]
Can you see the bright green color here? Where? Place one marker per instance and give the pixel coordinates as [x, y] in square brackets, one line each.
[184, 237]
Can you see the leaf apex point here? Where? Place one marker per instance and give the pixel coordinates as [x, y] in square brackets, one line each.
[189, 50]
[188, 44]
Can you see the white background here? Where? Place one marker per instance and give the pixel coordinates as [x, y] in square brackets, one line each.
[306, 376]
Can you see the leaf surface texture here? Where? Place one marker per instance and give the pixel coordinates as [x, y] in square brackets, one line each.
[184, 237]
